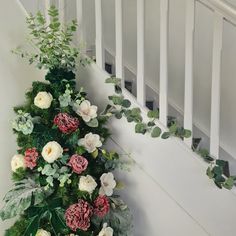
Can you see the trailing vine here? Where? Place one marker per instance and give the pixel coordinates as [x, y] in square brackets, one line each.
[120, 107]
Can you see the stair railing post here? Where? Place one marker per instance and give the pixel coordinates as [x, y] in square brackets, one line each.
[140, 52]
[164, 27]
[215, 87]
[189, 54]
[119, 40]
[99, 34]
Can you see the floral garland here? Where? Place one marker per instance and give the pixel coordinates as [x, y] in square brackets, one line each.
[63, 180]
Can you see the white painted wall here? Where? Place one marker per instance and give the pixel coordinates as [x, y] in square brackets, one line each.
[15, 78]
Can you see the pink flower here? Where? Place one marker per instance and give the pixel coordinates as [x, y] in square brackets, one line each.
[66, 123]
[78, 216]
[78, 163]
[31, 156]
[101, 206]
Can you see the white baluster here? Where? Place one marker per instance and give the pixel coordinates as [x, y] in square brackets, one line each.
[140, 53]
[189, 48]
[80, 30]
[61, 8]
[47, 5]
[99, 34]
[164, 26]
[215, 87]
[119, 40]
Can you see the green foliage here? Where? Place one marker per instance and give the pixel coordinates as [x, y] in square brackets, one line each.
[22, 195]
[18, 228]
[53, 42]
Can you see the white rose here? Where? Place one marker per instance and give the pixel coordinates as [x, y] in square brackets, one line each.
[52, 151]
[18, 161]
[108, 183]
[42, 232]
[90, 142]
[87, 183]
[86, 110]
[106, 231]
[43, 100]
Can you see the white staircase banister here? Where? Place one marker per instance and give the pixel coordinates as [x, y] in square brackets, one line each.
[164, 28]
[119, 40]
[226, 9]
[99, 34]
[140, 53]
[189, 54]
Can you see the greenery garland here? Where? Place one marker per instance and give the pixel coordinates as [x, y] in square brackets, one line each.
[120, 108]
[63, 180]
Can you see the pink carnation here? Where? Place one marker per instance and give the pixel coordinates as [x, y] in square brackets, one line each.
[78, 163]
[31, 156]
[66, 123]
[78, 216]
[101, 206]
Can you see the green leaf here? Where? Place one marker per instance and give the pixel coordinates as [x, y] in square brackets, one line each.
[156, 132]
[113, 80]
[153, 114]
[140, 128]
[33, 226]
[209, 173]
[58, 220]
[187, 133]
[229, 183]
[165, 135]
[126, 103]
[93, 123]
[20, 197]
[117, 100]
[173, 128]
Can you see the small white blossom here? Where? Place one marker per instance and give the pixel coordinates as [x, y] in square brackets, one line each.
[18, 161]
[43, 100]
[106, 231]
[108, 183]
[52, 151]
[42, 232]
[86, 110]
[87, 184]
[90, 142]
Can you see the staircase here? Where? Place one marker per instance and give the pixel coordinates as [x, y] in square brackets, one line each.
[167, 188]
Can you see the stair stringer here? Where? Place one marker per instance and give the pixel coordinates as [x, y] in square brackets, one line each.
[174, 170]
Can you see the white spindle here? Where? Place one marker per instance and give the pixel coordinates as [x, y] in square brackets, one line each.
[61, 9]
[215, 87]
[119, 40]
[80, 30]
[189, 45]
[164, 23]
[47, 5]
[99, 34]
[140, 53]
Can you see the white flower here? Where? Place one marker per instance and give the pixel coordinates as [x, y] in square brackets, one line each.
[87, 183]
[107, 184]
[86, 110]
[43, 100]
[18, 161]
[52, 151]
[42, 232]
[106, 231]
[90, 142]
